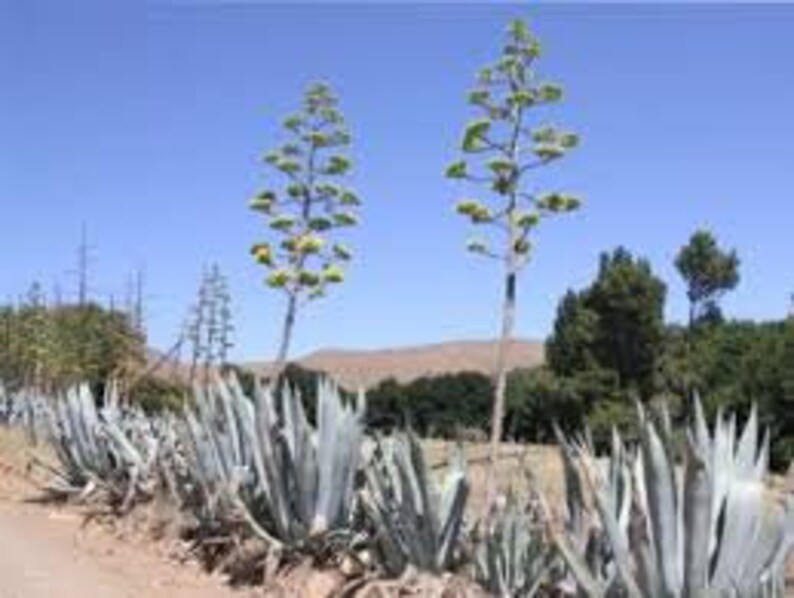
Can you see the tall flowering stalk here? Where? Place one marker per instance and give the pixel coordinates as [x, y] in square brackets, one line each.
[502, 147]
[301, 254]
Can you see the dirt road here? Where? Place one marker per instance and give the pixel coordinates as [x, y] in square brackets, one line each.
[45, 553]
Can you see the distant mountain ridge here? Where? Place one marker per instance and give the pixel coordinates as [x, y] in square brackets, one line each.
[366, 368]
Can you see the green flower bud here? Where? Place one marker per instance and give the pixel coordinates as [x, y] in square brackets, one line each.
[341, 252]
[309, 244]
[548, 152]
[532, 50]
[278, 279]
[317, 139]
[479, 96]
[482, 216]
[558, 202]
[338, 165]
[545, 135]
[282, 222]
[569, 140]
[345, 219]
[293, 123]
[522, 247]
[506, 64]
[518, 30]
[527, 219]
[474, 210]
[467, 207]
[328, 189]
[263, 202]
[573, 203]
[333, 274]
[331, 115]
[296, 190]
[288, 166]
[456, 170]
[548, 92]
[348, 198]
[320, 224]
[272, 157]
[501, 166]
[522, 97]
[474, 134]
[262, 253]
[308, 279]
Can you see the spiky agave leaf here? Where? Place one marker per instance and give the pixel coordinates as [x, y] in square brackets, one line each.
[697, 505]
[512, 556]
[111, 449]
[339, 438]
[417, 524]
[599, 496]
[290, 481]
[754, 531]
[716, 530]
[663, 504]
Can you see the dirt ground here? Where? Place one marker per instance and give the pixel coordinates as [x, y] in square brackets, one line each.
[48, 552]
[543, 463]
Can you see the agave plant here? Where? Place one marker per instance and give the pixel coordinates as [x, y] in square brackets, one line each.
[512, 556]
[261, 456]
[109, 449]
[205, 462]
[415, 523]
[584, 533]
[7, 406]
[713, 528]
[26, 408]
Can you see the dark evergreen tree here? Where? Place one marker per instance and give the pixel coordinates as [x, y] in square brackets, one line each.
[709, 272]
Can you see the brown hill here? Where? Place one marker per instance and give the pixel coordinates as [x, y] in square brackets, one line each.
[357, 369]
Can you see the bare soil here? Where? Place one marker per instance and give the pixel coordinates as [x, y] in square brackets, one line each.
[48, 551]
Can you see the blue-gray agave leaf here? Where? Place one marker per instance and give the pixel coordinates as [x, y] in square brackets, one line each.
[715, 529]
[417, 524]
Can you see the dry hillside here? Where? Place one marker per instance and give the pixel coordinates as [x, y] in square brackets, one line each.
[354, 369]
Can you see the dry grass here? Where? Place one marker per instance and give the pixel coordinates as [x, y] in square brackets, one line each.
[517, 461]
[17, 476]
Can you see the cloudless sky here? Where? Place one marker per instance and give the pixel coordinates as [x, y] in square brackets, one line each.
[147, 121]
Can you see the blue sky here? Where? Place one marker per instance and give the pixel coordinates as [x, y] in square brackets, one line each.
[147, 122]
